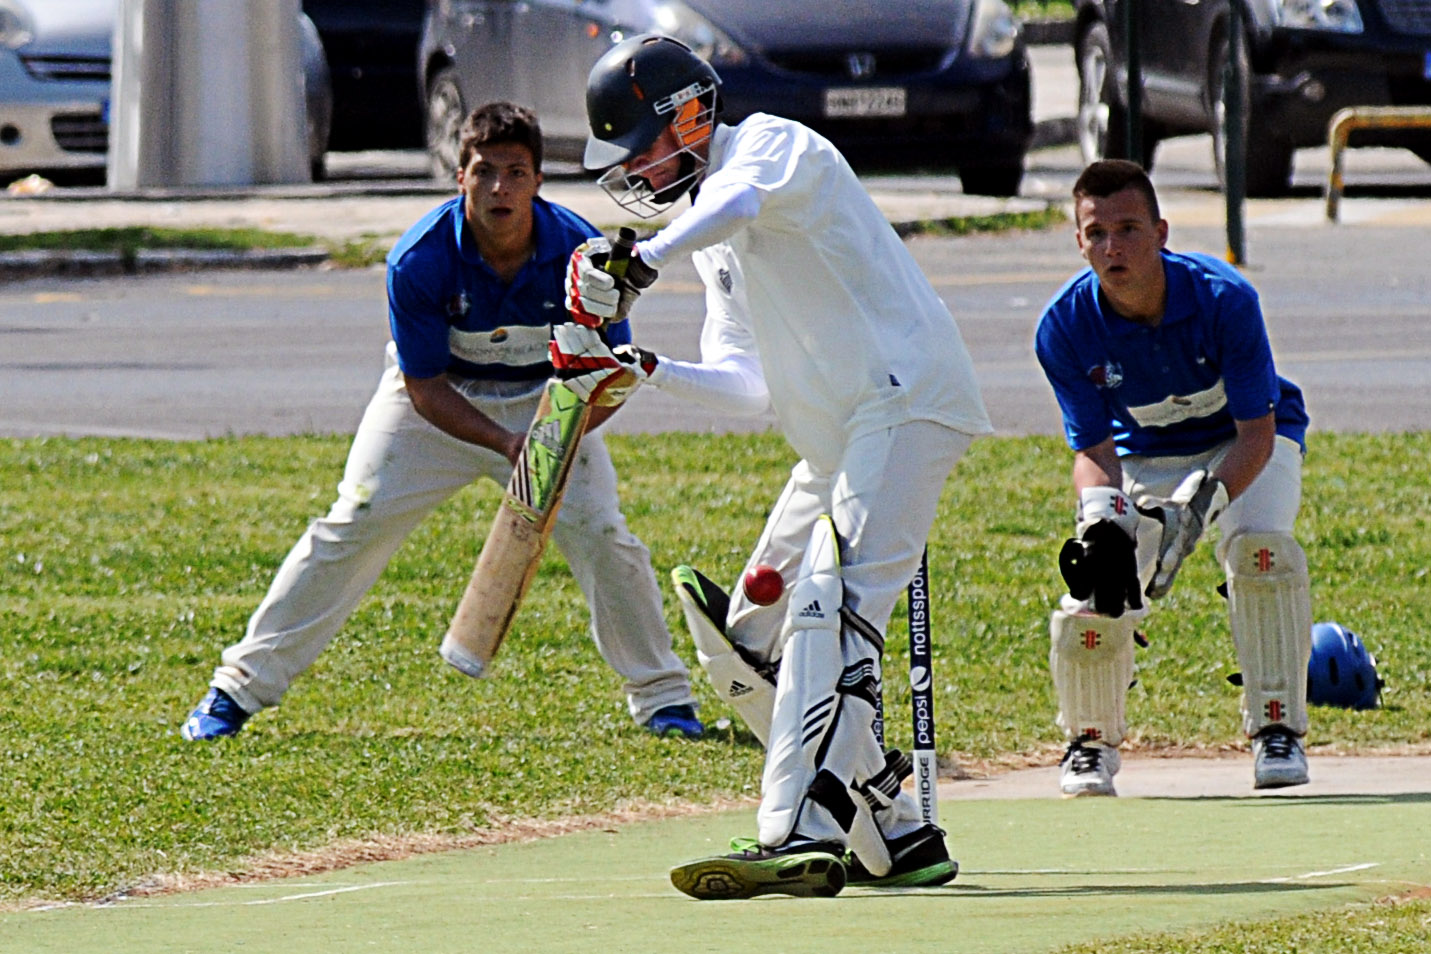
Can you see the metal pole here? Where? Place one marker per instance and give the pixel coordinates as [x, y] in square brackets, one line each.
[1234, 157]
[1134, 58]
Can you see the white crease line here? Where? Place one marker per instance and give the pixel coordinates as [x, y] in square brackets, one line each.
[288, 897]
[1323, 874]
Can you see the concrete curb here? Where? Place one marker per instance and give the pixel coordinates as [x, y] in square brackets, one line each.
[73, 262]
[1048, 32]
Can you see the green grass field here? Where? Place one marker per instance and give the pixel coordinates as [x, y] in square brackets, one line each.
[128, 565]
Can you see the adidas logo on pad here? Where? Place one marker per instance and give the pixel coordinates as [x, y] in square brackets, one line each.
[738, 689]
[812, 611]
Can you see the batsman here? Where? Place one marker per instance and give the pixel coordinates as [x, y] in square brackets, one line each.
[1178, 422]
[873, 388]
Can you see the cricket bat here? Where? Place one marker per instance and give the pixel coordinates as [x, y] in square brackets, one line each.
[524, 520]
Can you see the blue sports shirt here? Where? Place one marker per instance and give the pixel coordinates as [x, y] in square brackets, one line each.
[449, 312]
[1173, 390]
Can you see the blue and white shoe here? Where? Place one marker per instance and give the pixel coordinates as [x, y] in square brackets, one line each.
[215, 716]
[674, 722]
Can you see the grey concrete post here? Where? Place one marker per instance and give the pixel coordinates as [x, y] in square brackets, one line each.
[207, 93]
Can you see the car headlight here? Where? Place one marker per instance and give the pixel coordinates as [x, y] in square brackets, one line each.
[707, 40]
[994, 31]
[16, 29]
[1336, 16]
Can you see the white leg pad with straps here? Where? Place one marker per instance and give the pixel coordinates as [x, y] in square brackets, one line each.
[734, 679]
[822, 740]
[1269, 605]
[1091, 658]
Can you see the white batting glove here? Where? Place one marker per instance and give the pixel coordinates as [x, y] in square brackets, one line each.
[1199, 500]
[591, 294]
[586, 364]
[638, 361]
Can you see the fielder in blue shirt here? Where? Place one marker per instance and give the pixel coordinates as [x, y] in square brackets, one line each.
[1178, 420]
[474, 289]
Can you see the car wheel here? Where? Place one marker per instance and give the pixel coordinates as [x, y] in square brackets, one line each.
[1267, 158]
[1102, 119]
[445, 114]
[1097, 112]
[1001, 180]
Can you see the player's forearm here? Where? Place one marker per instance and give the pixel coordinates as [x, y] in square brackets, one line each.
[1247, 457]
[441, 406]
[1097, 466]
[731, 386]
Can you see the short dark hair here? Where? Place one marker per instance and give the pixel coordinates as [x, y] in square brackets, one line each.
[1107, 176]
[496, 123]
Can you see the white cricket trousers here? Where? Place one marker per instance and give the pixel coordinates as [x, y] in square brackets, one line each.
[400, 468]
[1268, 505]
[882, 500]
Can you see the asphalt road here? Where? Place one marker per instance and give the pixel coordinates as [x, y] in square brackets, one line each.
[199, 355]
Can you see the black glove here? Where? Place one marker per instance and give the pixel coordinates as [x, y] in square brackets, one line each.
[1103, 564]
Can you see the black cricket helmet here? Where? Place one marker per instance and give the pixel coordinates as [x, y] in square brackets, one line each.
[638, 88]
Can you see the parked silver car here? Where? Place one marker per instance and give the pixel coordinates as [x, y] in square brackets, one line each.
[54, 87]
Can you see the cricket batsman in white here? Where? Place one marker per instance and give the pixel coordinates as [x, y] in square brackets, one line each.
[872, 385]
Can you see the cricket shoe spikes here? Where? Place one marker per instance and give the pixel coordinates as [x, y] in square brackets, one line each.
[917, 860]
[808, 870]
[216, 715]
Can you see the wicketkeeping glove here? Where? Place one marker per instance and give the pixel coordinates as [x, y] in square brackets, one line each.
[1199, 500]
[586, 364]
[1101, 562]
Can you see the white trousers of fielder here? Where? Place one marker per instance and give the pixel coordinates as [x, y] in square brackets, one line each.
[399, 469]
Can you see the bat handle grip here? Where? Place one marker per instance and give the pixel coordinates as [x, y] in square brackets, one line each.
[622, 249]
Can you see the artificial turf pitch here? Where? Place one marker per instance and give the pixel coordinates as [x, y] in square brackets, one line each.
[1035, 875]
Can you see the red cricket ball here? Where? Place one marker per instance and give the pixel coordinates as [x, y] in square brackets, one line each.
[763, 584]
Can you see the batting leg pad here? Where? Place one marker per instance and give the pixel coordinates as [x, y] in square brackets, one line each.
[1269, 605]
[823, 751]
[735, 676]
[1091, 658]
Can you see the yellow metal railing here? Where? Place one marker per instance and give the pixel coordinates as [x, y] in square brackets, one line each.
[1342, 124]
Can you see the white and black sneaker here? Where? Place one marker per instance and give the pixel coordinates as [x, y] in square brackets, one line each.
[1278, 759]
[1088, 768]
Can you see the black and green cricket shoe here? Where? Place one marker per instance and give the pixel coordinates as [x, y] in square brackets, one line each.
[917, 860]
[811, 870]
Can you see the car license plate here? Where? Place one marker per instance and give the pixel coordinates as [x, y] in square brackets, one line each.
[1426, 66]
[849, 102]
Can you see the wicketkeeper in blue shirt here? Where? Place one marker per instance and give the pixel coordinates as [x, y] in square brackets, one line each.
[1178, 420]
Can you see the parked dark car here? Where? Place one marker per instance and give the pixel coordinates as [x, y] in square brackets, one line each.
[1306, 59]
[915, 82]
[371, 47]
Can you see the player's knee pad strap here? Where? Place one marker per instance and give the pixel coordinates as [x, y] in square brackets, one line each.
[1091, 658]
[735, 678]
[1269, 607]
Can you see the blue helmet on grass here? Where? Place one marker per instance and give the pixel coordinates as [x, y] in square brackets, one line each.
[1341, 672]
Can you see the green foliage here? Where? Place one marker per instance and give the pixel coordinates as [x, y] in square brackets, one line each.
[994, 222]
[131, 239]
[127, 566]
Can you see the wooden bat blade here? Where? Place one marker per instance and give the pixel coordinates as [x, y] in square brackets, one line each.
[519, 533]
